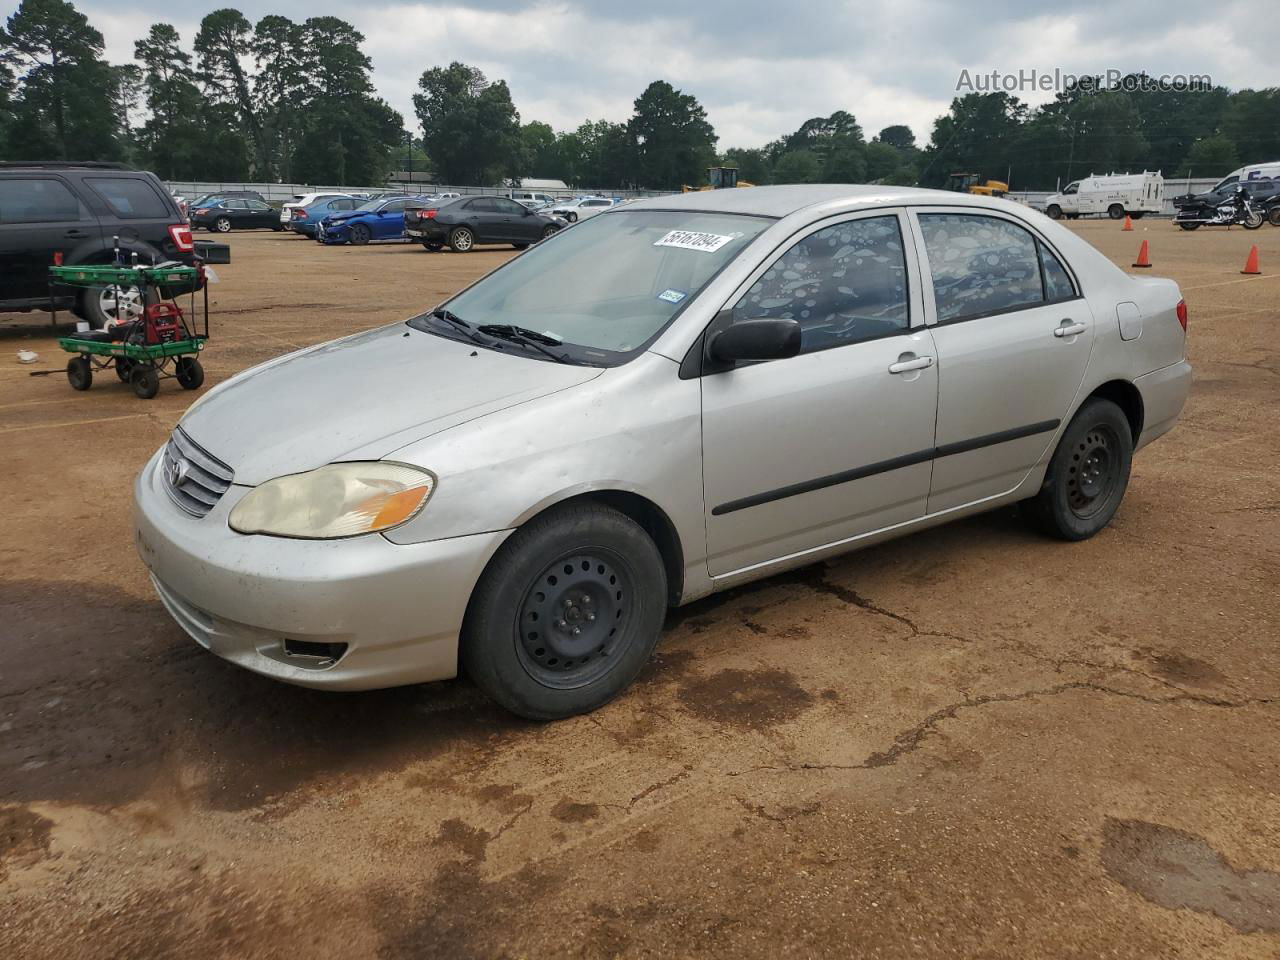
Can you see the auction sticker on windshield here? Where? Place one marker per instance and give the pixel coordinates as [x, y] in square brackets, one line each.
[687, 240]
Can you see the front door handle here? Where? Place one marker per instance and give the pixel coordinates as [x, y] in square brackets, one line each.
[908, 362]
[1069, 329]
[75, 234]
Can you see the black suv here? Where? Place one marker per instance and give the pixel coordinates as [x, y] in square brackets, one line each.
[72, 213]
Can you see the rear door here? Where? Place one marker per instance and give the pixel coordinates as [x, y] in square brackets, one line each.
[40, 216]
[134, 207]
[482, 215]
[1013, 336]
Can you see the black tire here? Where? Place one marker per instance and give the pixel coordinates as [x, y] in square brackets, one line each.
[1073, 216]
[360, 234]
[1115, 212]
[189, 373]
[571, 217]
[279, 228]
[80, 373]
[222, 225]
[98, 305]
[1257, 221]
[1137, 214]
[145, 382]
[520, 246]
[461, 239]
[1054, 212]
[549, 231]
[1273, 216]
[614, 594]
[124, 368]
[433, 245]
[1189, 226]
[1087, 476]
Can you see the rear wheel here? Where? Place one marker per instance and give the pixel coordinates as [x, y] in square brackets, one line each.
[360, 234]
[461, 239]
[145, 382]
[124, 368]
[1189, 226]
[222, 225]
[566, 614]
[80, 373]
[1115, 212]
[1087, 476]
[1273, 216]
[520, 246]
[433, 245]
[1137, 214]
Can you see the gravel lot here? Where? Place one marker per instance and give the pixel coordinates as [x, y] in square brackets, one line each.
[968, 743]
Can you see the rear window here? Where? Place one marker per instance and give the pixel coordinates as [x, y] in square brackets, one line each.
[130, 198]
[37, 201]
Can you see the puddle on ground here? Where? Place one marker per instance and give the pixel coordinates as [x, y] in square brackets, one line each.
[1177, 870]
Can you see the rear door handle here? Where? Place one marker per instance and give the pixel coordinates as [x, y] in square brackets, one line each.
[906, 366]
[75, 234]
[1069, 329]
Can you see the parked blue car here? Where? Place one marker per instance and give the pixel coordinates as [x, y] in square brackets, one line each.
[381, 218]
[305, 220]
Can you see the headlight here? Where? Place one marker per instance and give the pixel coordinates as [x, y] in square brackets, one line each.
[340, 500]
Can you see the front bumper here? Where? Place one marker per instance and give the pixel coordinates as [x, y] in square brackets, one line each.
[397, 608]
[332, 233]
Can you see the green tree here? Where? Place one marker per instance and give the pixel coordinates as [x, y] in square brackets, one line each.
[172, 139]
[66, 104]
[753, 165]
[882, 160]
[223, 44]
[1211, 157]
[975, 136]
[845, 164]
[538, 154]
[798, 166]
[1252, 122]
[898, 136]
[470, 127]
[280, 87]
[674, 142]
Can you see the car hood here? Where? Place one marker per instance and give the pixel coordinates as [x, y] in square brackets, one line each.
[344, 215]
[360, 398]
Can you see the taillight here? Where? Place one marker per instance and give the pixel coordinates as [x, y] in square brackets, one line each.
[1182, 314]
[201, 211]
[181, 234]
[427, 214]
[299, 213]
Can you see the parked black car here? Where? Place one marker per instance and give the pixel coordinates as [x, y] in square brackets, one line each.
[1258, 190]
[467, 221]
[209, 198]
[236, 213]
[74, 212]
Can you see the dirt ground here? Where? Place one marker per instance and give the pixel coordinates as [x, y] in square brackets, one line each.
[968, 743]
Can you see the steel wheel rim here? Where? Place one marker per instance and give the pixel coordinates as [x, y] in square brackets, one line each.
[572, 624]
[112, 300]
[1093, 472]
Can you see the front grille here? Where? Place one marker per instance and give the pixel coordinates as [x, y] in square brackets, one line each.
[194, 479]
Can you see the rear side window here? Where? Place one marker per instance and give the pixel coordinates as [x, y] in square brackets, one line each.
[1057, 282]
[37, 201]
[980, 265]
[130, 198]
[482, 204]
[843, 284]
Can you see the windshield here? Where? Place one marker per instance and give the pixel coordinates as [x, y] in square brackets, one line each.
[607, 286]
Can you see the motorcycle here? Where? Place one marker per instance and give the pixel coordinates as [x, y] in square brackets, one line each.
[1240, 209]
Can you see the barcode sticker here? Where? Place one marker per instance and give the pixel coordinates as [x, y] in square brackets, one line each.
[686, 240]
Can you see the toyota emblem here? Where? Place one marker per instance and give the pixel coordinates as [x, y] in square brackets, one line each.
[177, 471]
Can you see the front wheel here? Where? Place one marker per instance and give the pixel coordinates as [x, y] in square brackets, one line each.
[79, 373]
[360, 234]
[1087, 476]
[1054, 212]
[1253, 220]
[461, 239]
[567, 613]
[571, 217]
[145, 382]
[189, 372]
[549, 232]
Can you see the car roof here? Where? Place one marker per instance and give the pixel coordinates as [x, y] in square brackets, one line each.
[781, 201]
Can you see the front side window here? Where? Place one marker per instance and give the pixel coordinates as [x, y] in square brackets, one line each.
[843, 284]
[37, 201]
[508, 207]
[395, 206]
[980, 265]
[606, 288]
[130, 198]
[1070, 188]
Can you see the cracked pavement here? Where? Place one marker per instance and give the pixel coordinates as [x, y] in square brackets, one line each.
[970, 742]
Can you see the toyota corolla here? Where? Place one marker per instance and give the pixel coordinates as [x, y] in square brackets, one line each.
[672, 398]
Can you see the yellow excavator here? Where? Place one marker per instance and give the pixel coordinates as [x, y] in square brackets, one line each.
[719, 178]
[976, 183]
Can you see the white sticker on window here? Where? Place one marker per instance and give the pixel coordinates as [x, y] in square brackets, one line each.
[672, 296]
[686, 240]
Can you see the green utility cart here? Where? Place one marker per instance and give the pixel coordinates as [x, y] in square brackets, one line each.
[159, 341]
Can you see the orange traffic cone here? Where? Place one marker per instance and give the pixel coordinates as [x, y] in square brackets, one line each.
[1144, 258]
[1251, 263]
[1128, 223]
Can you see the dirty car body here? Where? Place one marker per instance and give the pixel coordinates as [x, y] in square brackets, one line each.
[734, 384]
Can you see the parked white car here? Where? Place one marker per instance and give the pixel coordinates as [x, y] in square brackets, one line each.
[1115, 195]
[580, 208]
[304, 200]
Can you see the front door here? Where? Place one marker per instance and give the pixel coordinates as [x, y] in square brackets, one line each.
[835, 442]
[1013, 337]
[510, 221]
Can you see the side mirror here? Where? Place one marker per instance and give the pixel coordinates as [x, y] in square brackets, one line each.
[764, 338]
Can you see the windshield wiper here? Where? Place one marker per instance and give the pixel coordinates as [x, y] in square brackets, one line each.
[526, 337]
[457, 323]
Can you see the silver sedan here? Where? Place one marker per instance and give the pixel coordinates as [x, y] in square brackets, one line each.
[679, 396]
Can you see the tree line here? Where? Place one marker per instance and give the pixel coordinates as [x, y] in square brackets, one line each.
[280, 100]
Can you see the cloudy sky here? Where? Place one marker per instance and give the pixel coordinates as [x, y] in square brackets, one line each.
[760, 68]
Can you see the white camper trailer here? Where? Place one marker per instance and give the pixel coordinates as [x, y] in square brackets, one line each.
[1115, 195]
